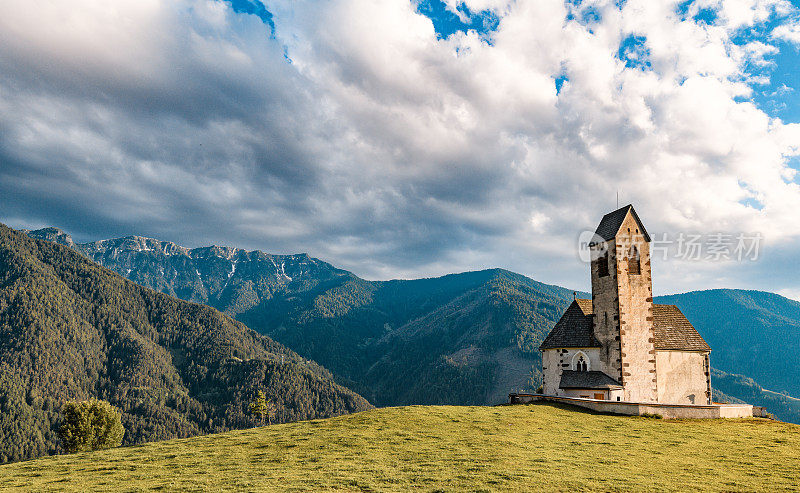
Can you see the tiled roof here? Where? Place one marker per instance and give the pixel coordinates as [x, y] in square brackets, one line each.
[571, 379]
[574, 329]
[672, 331]
[611, 222]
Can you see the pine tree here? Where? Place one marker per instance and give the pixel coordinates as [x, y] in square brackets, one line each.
[261, 408]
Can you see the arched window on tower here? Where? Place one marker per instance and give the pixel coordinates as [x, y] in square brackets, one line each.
[634, 262]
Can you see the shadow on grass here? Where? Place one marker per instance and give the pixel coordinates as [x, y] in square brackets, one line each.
[584, 410]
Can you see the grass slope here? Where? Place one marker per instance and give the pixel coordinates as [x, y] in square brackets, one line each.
[538, 447]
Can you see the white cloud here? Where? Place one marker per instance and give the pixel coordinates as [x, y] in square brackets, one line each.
[382, 148]
[788, 32]
[793, 294]
[465, 8]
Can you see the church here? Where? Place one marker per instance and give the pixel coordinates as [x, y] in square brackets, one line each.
[619, 345]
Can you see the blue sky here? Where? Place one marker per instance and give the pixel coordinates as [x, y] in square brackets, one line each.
[408, 139]
[780, 98]
[446, 21]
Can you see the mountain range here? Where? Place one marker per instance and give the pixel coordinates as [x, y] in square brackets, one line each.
[71, 329]
[466, 338]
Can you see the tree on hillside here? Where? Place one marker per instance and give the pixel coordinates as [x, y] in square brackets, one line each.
[261, 408]
[90, 425]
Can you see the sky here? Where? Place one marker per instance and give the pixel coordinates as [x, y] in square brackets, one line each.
[404, 139]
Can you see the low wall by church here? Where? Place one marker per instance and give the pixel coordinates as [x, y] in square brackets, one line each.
[667, 411]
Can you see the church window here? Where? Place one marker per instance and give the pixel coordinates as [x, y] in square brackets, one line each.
[602, 265]
[581, 365]
[634, 264]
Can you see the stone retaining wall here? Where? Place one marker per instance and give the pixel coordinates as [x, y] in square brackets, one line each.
[668, 411]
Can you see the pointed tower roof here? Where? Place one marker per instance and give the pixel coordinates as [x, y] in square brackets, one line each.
[611, 222]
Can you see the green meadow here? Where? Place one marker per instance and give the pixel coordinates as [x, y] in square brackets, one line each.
[443, 448]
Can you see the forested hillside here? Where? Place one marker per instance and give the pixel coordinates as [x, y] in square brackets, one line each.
[460, 339]
[70, 329]
[745, 389]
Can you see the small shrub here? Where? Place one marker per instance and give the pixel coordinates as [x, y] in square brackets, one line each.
[652, 416]
[90, 425]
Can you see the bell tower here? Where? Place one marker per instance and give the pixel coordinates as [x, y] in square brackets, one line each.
[622, 300]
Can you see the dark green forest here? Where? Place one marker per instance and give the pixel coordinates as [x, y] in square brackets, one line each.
[71, 330]
[466, 338]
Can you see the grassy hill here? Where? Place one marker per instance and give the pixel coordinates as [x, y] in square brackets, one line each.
[534, 447]
[71, 329]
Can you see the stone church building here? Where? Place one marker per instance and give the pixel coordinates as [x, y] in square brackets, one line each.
[619, 345]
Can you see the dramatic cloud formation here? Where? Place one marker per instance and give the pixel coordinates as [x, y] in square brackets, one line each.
[401, 139]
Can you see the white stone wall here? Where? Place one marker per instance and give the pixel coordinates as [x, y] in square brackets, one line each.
[556, 360]
[667, 411]
[551, 370]
[639, 375]
[608, 394]
[584, 393]
[682, 377]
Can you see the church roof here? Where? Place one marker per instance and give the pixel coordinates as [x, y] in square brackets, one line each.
[611, 222]
[674, 332]
[571, 379]
[671, 330]
[574, 329]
